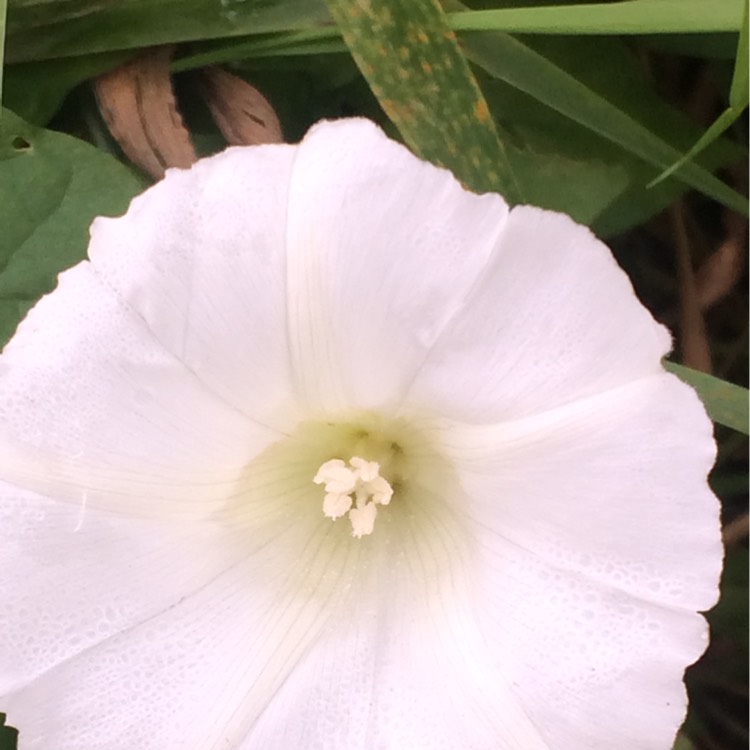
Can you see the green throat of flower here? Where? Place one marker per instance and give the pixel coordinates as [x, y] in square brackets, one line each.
[379, 487]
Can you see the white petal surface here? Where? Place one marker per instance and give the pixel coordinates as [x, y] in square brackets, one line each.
[338, 650]
[531, 584]
[74, 577]
[94, 410]
[382, 250]
[201, 258]
[403, 670]
[220, 614]
[603, 506]
[552, 319]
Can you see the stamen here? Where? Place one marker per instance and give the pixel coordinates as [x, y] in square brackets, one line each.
[356, 489]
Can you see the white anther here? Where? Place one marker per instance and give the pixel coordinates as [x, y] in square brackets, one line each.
[356, 489]
[336, 476]
[336, 505]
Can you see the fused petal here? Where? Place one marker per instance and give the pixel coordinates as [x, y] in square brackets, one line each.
[95, 410]
[377, 263]
[552, 319]
[282, 336]
[201, 259]
[604, 505]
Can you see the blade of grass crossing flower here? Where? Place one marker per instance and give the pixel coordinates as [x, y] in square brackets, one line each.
[726, 403]
[738, 101]
[414, 66]
[512, 61]
[626, 17]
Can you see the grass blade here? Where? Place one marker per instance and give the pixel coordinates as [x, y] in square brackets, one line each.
[414, 66]
[738, 101]
[726, 403]
[626, 17]
[510, 60]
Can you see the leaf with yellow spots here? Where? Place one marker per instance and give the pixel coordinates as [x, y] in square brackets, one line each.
[412, 61]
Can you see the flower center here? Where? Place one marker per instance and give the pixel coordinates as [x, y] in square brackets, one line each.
[356, 489]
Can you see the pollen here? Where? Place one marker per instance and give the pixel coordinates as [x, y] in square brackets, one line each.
[355, 489]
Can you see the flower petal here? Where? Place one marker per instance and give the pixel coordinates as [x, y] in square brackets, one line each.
[198, 672]
[600, 540]
[382, 250]
[402, 671]
[552, 319]
[337, 650]
[95, 410]
[201, 258]
[81, 576]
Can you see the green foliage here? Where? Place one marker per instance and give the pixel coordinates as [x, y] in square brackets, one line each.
[35, 91]
[51, 187]
[725, 403]
[566, 117]
[623, 17]
[509, 59]
[738, 101]
[412, 62]
[8, 735]
[44, 29]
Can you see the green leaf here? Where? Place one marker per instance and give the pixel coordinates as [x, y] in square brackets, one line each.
[35, 91]
[515, 62]
[51, 187]
[415, 68]
[3, 22]
[8, 735]
[738, 94]
[580, 187]
[44, 29]
[738, 101]
[625, 17]
[726, 403]
[682, 742]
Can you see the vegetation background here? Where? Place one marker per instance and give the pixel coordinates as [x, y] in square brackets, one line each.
[629, 115]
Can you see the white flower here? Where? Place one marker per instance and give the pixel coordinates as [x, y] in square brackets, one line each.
[319, 450]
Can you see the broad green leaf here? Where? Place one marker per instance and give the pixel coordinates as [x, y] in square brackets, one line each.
[514, 61]
[738, 101]
[625, 17]
[44, 29]
[35, 91]
[580, 187]
[415, 68]
[51, 187]
[725, 402]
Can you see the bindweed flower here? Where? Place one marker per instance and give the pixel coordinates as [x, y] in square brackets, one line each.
[320, 450]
